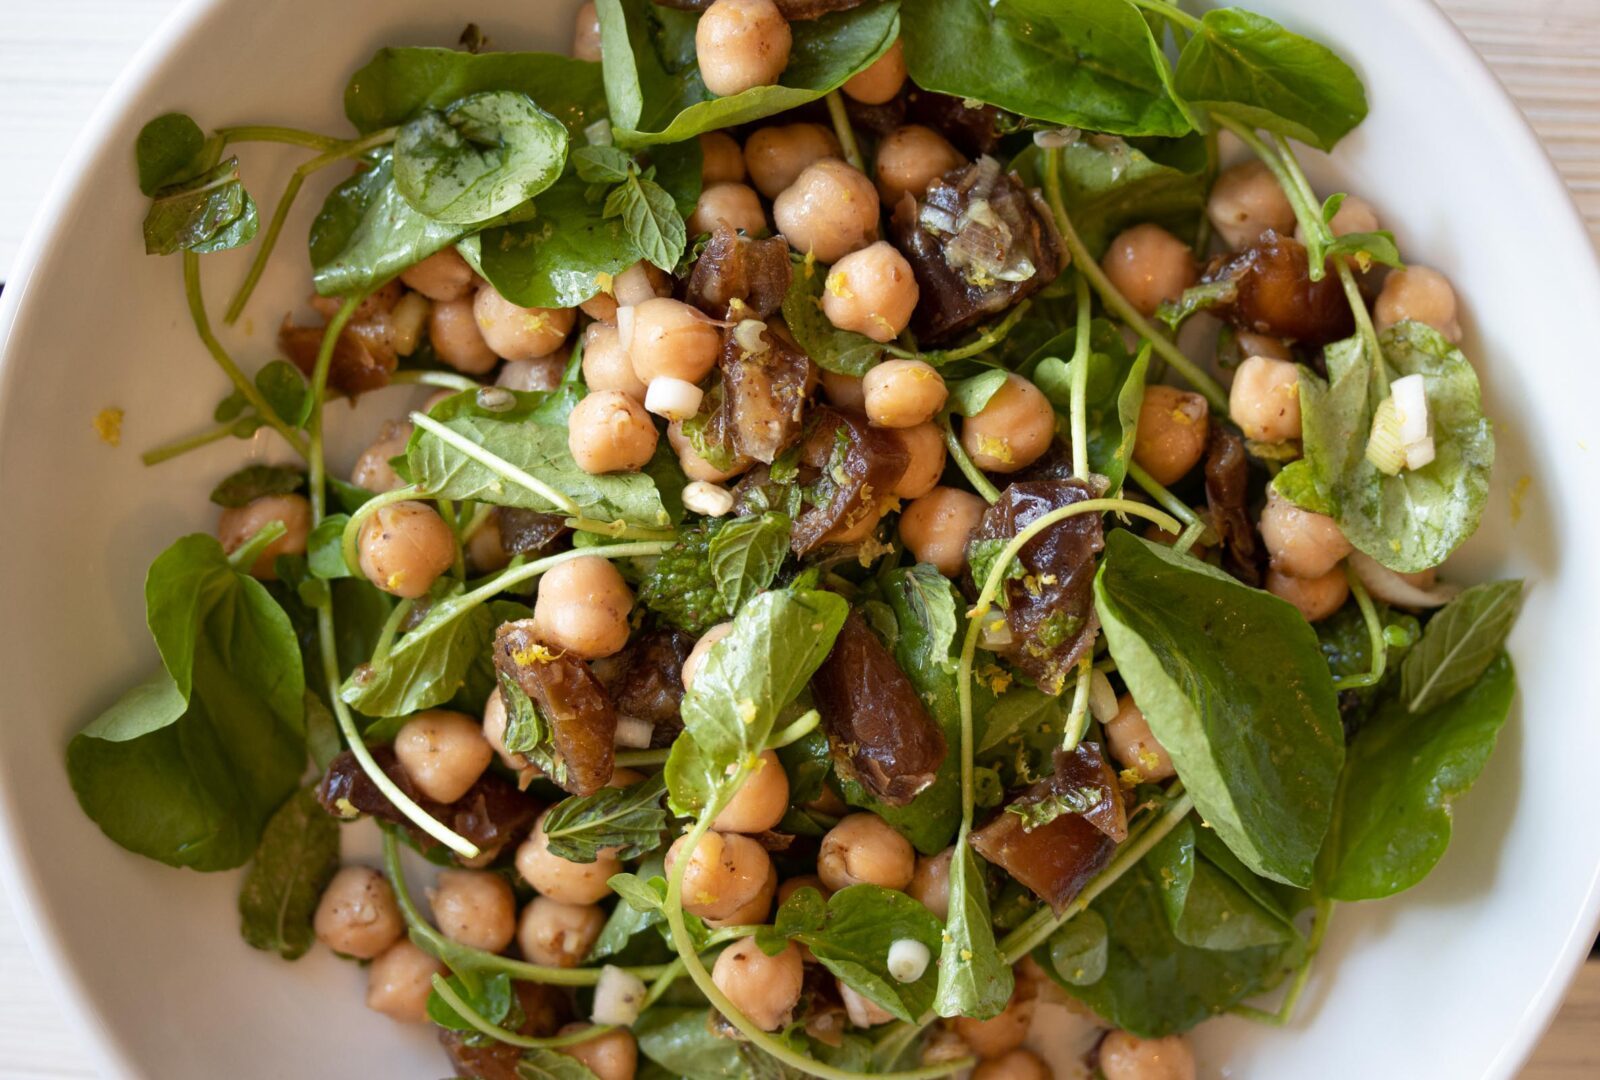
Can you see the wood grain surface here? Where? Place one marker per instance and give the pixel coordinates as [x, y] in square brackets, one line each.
[58, 56]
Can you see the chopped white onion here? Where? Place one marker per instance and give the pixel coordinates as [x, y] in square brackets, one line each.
[633, 733]
[1393, 588]
[1056, 138]
[908, 959]
[709, 499]
[618, 997]
[406, 321]
[625, 327]
[495, 399]
[1411, 405]
[1102, 699]
[748, 335]
[598, 133]
[1419, 453]
[672, 398]
[996, 633]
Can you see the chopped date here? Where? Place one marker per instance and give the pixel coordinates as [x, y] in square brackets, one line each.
[1275, 295]
[850, 468]
[1227, 473]
[764, 395]
[737, 277]
[580, 715]
[544, 1009]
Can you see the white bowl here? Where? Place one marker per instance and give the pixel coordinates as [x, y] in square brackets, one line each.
[1454, 980]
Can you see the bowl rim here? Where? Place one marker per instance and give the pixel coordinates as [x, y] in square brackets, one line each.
[112, 116]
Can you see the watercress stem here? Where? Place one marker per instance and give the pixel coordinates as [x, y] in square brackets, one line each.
[987, 339]
[446, 379]
[795, 731]
[635, 758]
[273, 133]
[1173, 12]
[618, 530]
[179, 447]
[1166, 499]
[391, 628]
[1380, 648]
[245, 555]
[980, 483]
[465, 1010]
[1369, 336]
[447, 511]
[1080, 380]
[496, 464]
[845, 133]
[1077, 724]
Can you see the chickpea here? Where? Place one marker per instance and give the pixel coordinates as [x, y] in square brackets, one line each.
[583, 607]
[1134, 746]
[776, 156]
[1253, 344]
[1147, 264]
[486, 551]
[238, 524]
[1013, 430]
[721, 160]
[829, 211]
[863, 847]
[560, 880]
[735, 205]
[925, 445]
[1245, 202]
[606, 365]
[529, 375]
[556, 934]
[443, 753]
[457, 339]
[999, 1035]
[474, 907]
[845, 391]
[862, 1011]
[909, 159]
[753, 911]
[609, 431]
[764, 988]
[804, 881]
[586, 33]
[724, 874]
[357, 915]
[930, 885]
[1302, 544]
[372, 469]
[903, 393]
[399, 980]
[1171, 436]
[741, 44]
[1019, 1064]
[444, 275]
[613, 1055]
[761, 800]
[405, 547]
[881, 80]
[673, 340]
[694, 466]
[1315, 598]
[520, 333]
[1421, 294]
[936, 527]
[1264, 399]
[873, 292]
[1128, 1057]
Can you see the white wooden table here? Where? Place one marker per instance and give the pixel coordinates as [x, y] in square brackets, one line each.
[58, 56]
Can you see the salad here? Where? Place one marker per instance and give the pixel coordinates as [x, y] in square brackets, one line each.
[919, 510]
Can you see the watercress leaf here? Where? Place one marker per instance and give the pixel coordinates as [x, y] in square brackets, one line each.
[211, 212]
[426, 666]
[297, 857]
[1233, 684]
[478, 158]
[628, 918]
[1078, 950]
[255, 481]
[654, 87]
[285, 389]
[851, 936]
[1459, 644]
[545, 1064]
[489, 995]
[832, 349]
[627, 820]
[1367, 248]
[1405, 772]
[677, 168]
[1114, 391]
[325, 548]
[1205, 907]
[1091, 64]
[679, 1039]
[169, 150]
[230, 407]
[969, 396]
[1246, 66]
[1195, 299]
[651, 220]
[973, 980]
[322, 732]
[602, 164]
[745, 555]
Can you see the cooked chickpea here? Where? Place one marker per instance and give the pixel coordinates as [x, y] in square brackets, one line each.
[862, 1011]
[1421, 294]
[486, 551]
[694, 466]
[873, 292]
[372, 469]
[673, 340]
[1264, 399]
[741, 44]
[764, 988]
[444, 275]
[1147, 264]
[761, 800]
[909, 159]
[721, 160]
[611, 1056]
[845, 391]
[1019, 1064]
[1253, 344]
[725, 873]
[753, 911]
[1128, 1057]
[903, 393]
[583, 607]
[1302, 544]
[735, 205]
[1245, 202]
[586, 33]
[456, 338]
[1134, 746]
[1013, 430]
[358, 915]
[936, 527]
[829, 211]
[881, 80]
[804, 881]
[475, 908]
[1315, 598]
[405, 547]
[776, 156]
[1171, 436]
[606, 364]
[443, 753]
[541, 374]
[556, 934]
[864, 847]
[998, 1035]
[399, 980]
[520, 333]
[925, 445]
[609, 431]
[930, 885]
[238, 524]
[561, 880]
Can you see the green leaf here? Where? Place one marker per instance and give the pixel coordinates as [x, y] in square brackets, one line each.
[426, 666]
[602, 164]
[489, 995]
[651, 220]
[1092, 64]
[745, 555]
[1195, 299]
[256, 481]
[1233, 684]
[297, 857]
[171, 149]
[627, 820]
[211, 212]
[1114, 390]
[973, 979]
[325, 549]
[1406, 770]
[1248, 67]
[681, 588]
[1079, 949]
[832, 349]
[322, 732]
[851, 935]
[1367, 248]
[1460, 643]
[1205, 907]
[285, 389]
[653, 84]
[478, 158]
[679, 1040]
[544, 1064]
[969, 396]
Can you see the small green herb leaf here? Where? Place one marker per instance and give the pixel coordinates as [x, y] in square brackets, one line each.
[171, 149]
[255, 481]
[211, 212]
[545, 1064]
[627, 820]
[851, 934]
[1459, 644]
[973, 980]
[842, 351]
[478, 158]
[297, 857]
[489, 996]
[745, 555]
[651, 219]
[1078, 950]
